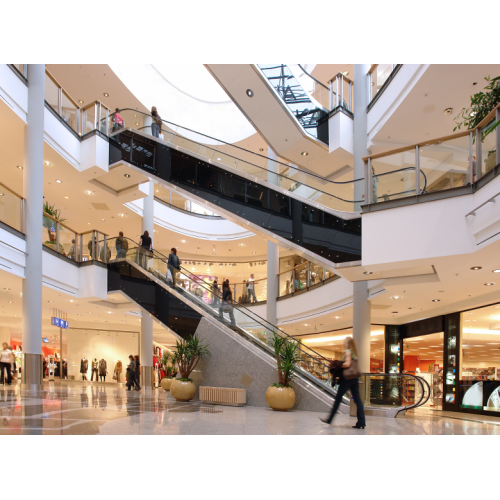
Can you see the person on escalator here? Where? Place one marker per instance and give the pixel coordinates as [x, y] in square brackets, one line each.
[174, 264]
[121, 245]
[117, 120]
[144, 250]
[156, 125]
[226, 304]
[349, 380]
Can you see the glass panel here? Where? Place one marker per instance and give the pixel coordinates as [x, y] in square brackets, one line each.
[394, 177]
[445, 165]
[51, 93]
[49, 235]
[300, 278]
[488, 149]
[379, 77]
[10, 208]
[87, 246]
[20, 68]
[89, 115]
[69, 112]
[67, 243]
[178, 201]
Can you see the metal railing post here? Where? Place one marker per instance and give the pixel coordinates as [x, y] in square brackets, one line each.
[59, 101]
[479, 154]
[330, 100]
[341, 89]
[368, 182]
[350, 97]
[497, 117]
[58, 230]
[293, 280]
[324, 274]
[417, 170]
[81, 247]
[95, 115]
[471, 158]
[97, 246]
[337, 96]
[308, 274]
[23, 216]
[76, 252]
[93, 245]
[78, 122]
[105, 251]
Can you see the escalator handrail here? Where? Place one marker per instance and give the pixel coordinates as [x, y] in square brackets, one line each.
[239, 147]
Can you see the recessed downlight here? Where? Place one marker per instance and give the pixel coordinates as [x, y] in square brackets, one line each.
[396, 297]
[367, 272]
[475, 268]
[66, 197]
[47, 163]
[80, 101]
[249, 92]
[448, 111]
[105, 94]
[304, 153]
[88, 192]
[489, 284]
[496, 271]
[58, 181]
[436, 300]
[126, 175]
[121, 215]
[19, 167]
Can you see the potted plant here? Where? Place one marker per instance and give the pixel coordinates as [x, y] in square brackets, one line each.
[281, 396]
[170, 371]
[51, 225]
[187, 356]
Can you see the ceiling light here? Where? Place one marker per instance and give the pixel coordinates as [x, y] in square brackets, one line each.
[489, 284]
[394, 312]
[249, 92]
[369, 272]
[70, 300]
[304, 153]
[88, 223]
[261, 149]
[396, 297]
[476, 268]
[109, 312]
[66, 197]
[242, 244]
[127, 175]
[50, 301]
[88, 192]
[6, 288]
[19, 167]
[496, 271]
[448, 111]
[121, 215]
[436, 300]
[1, 194]
[80, 101]
[10, 302]
[218, 159]
[103, 220]
[337, 317]
[106, 94]
[58, 181]
[136, 123]
[183, 241]
[47, 163]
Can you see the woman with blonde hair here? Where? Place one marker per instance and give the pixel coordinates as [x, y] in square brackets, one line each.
[349, 380]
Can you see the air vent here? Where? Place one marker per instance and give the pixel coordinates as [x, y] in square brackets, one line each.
[100, 206]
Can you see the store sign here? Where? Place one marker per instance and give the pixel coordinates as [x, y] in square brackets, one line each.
[61, 323]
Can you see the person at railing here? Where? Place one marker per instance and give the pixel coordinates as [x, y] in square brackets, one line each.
[157, 123]
[226, 306]
[108, 253]
[350, 360]
[174, 264]
[121, 245]
[374, 186]
[144, 249]
[89, 246]
[251, 289]
[72, 250]
[215, 293]
[117, 120]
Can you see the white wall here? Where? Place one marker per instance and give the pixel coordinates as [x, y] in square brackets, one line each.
[111, 346]
[12, 260]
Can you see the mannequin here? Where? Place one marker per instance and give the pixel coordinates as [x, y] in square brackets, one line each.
[103, 370]
[84, 366]
[118, 371]
[95, 364]
[52, 368]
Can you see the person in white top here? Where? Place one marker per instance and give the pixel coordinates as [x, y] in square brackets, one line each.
[5, 363]
[251, 288]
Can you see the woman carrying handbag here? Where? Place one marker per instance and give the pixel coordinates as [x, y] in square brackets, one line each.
[349, 380]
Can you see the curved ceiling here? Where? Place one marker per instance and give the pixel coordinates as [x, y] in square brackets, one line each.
[187, 95]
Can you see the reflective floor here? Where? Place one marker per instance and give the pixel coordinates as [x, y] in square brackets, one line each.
[84, 408]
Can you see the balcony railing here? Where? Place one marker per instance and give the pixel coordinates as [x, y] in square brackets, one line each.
[378, 76]
[440, 164]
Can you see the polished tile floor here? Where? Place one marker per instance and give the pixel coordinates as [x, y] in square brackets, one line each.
[84, 408]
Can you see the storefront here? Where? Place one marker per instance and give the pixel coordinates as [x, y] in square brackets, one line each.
[458, 354]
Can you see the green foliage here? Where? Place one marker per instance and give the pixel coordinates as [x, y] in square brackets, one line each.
[481, 104]
[279, 386]
[185, 379]
[48, 223]
[169, 368]
[287, 358]
[188, 354]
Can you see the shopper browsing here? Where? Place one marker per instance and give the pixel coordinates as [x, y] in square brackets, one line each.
[251, 288]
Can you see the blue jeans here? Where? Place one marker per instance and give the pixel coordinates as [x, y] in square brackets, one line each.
[251, 293]
[132, 381]
[155, 130]
[344, 386]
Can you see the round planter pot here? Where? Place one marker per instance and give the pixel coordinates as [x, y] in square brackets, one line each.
[182, 391]
[280, 398]
[166, 383]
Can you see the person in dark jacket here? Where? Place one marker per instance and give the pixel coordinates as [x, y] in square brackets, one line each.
[174, 264]
[121, 245]
[226, 303]
[144, 250]
[137, 377]
[215, 293]
[336, 371]
[131, 372]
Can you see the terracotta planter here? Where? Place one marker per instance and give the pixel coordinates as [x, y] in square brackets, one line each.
[280, 398]
[166, 383]
[182, 391]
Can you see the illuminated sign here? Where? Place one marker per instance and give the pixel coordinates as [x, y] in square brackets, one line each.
[59, 322]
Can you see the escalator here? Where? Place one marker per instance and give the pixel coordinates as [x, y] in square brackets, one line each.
[143, 279]
[298, 210]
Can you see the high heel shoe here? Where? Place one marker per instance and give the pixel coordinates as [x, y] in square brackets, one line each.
[357, 426]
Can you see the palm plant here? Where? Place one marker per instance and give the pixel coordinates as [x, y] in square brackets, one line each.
[188, 354]
[287, 357]
[169, 368]
[49, 223]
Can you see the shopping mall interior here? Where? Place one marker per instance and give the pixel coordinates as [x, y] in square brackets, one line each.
[235, 235]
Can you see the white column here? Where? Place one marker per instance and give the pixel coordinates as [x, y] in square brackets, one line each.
[360, 127]
[361, 323]
[146, 122]
[33, 193]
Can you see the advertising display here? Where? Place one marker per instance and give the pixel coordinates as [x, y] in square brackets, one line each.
[483, 395]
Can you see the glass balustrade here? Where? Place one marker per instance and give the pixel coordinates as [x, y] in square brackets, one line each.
[11, 208]
[378, 75]
[338, 195]
[173, 199]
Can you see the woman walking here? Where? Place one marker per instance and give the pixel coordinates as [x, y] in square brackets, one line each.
[131, 372]
[145, 247]
[349, 380]
[6, 363]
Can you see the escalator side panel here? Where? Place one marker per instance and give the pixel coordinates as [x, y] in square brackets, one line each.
[165, 307]
[340, 239]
